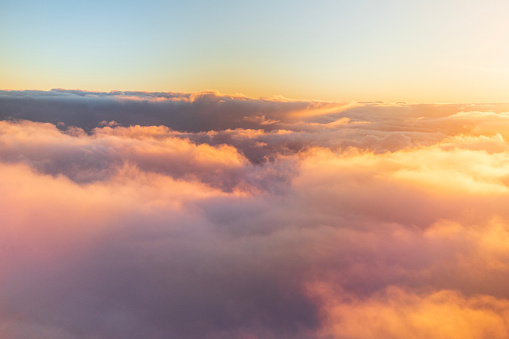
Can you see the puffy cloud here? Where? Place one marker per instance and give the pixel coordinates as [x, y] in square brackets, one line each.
[354, 221]
[85, 158]
[397, 313]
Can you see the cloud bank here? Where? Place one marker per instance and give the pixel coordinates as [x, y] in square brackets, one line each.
[176, 215]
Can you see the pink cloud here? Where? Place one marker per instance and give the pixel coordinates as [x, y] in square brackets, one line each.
[376, 220]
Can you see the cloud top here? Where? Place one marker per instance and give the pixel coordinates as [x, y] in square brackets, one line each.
[157, 215]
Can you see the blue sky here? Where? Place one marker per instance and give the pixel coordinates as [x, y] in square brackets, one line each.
[334, 50]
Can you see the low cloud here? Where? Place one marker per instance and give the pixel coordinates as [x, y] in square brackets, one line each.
[396, 313]
[338, 221]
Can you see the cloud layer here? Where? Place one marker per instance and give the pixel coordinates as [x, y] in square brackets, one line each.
[169, 215]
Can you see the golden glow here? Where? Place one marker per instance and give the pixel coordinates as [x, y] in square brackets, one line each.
[398, 313]
[377, 220]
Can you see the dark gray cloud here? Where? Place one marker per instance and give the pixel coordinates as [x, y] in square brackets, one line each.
[182, 112]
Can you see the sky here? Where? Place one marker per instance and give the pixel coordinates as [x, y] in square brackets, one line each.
[413, 51]
[254, 170]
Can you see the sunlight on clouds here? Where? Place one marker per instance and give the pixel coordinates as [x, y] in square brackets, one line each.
[454, 171]
[398, 313]
[59, 207]
[360, 222]
[319, 108]
[433, 169]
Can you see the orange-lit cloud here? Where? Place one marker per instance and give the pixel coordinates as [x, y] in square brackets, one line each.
[397, 313]
[369, 221]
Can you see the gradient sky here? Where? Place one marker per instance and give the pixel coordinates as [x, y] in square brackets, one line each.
[415, 51]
